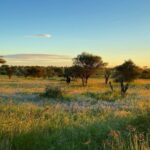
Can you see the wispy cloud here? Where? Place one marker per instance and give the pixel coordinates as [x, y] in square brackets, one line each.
[39, 36]
[38, 59]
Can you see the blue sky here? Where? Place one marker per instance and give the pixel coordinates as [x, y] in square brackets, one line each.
[114, 29]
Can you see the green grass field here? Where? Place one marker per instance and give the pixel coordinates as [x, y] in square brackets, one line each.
[84, 118]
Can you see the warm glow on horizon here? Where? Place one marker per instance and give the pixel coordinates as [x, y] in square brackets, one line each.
[64, 60]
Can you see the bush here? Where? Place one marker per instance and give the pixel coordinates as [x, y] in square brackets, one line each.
[53, 92]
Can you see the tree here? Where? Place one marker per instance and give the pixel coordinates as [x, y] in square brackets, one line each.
[9, 71]
[126, 72]
[58, 71]
[86, 64]
[50, 72]
[145, 73]
[68, 80]
[35, 71]
[107, 75]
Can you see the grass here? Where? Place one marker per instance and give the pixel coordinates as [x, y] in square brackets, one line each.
[84, 118]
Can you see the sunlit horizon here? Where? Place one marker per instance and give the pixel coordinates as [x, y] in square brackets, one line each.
[29, 59]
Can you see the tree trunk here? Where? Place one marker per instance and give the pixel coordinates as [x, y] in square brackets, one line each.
[86, 81]
[124, 88]
[9, 76]
[106, 80]
[111, 86]
[83, 82]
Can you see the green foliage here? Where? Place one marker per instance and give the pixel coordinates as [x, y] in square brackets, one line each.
[142, 121]
[53, 92]
[126, 72]
[145, 73]
[33, 127]
[127, 140]
[30, 122]
[86, 65]
[106, 96]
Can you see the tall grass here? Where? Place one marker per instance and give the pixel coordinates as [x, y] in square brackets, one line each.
[29, 126]
[77, 124]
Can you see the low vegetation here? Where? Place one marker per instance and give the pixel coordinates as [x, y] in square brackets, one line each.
[83, 107]
[90, 118]
[52, 92]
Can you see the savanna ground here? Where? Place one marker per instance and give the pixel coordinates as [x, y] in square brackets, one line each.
[84, 118]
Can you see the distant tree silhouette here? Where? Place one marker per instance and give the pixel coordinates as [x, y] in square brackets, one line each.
[9, 72]
[145, 73]
[68, 80]
[126, 72]
[50, 72]
[86, 64]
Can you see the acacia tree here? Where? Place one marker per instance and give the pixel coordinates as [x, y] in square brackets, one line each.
[86, 64]
[124, 74]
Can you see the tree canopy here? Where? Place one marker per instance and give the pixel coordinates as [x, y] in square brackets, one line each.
[86, 64]
[126, 72]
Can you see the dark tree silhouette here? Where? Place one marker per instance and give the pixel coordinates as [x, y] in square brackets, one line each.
[68, 80]
[126, 72]
[87, 64]
[9, 72]
[145, 73]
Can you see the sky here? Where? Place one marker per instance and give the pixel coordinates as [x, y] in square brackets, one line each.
[116, 30]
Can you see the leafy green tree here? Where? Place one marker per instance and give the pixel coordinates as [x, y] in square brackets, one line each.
[86, 65]
[126, 73]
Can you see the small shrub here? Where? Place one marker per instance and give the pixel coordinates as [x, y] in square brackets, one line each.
[53, 92]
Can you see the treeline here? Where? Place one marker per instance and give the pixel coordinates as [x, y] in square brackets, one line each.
[32, 71]
[53, 71]
[84, 66]
[41, 71]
